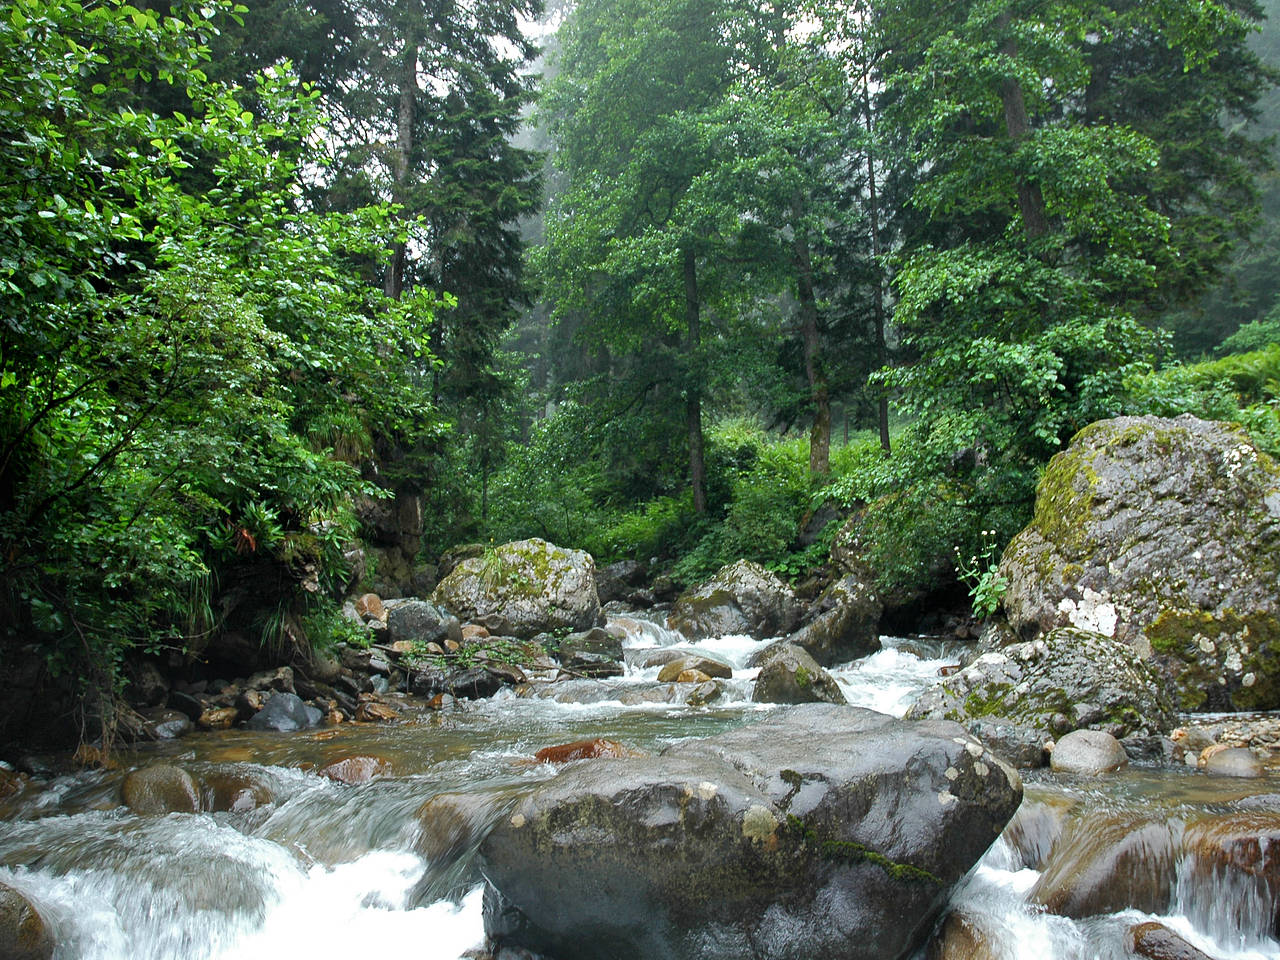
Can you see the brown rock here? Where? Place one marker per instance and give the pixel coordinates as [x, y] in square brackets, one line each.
[357, 769]
[1157, 942]
[373, 712]
[960, 939]
[1223, 761]
[707, 668]
[1108, 863]
[440, 701]
[692, 676]
[474, 631]
[370, 606]
[585, 750]
[11, 782]
[452, 822]
[161, 789]
[234, 792]
[218, 718]
[248, 703]
[23, 934]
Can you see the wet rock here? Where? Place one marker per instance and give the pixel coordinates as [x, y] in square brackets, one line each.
[846, 626]
[1065, 680]
[1105, 864]
[218, 718]
[1231, 762]
[161, 789]
[1088, 753]
[1164, 534]
[584, 750]
[524, 588]
[709, 691]
[464, 683]
[370, 711]
[1157, 942]
[703, 665]
[284, 713]
[1036, 829]
[280, 679]
[441, 701]
[234, 792]
[188, 704]
[1234, 868]
[473, 631]
[324, 667]
[959, 938]
[357, 769]
[595, 665]
[597, 641]
[248, 703]
[790, 675]
[1021, 745]
[11, 781]
[23, 933]
[742, 598]
[162, 724]
[618, 580]
[819, 831]
[420, 622]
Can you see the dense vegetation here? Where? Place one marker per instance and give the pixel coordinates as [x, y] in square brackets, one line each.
[780, 264]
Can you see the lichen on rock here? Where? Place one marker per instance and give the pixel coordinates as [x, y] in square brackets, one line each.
[1165, 534]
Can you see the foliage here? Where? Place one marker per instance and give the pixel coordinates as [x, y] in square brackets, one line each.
[981, 574]
[182, 350]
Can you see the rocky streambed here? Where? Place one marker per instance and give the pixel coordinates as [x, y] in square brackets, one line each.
[733, 829]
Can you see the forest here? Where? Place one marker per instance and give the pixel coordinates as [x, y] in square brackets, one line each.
[674, 281]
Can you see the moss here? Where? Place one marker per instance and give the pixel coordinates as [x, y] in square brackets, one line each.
[849, 852]
[803, 679]
[1064, 502]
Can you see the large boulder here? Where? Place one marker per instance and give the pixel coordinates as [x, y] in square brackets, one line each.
[524, 588]
[846, 626]
[1164, 534]
[742, 598]
[23, 933]
[789, 675]
[420, 622]
[1037, 690]
[819, 831]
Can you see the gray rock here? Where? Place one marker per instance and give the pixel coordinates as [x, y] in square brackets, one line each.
[23, 933]
[1089, 753]
[742, 598]
[284, 713]
[618, 580]
[819, 831]
[417, 621]
[280, 679]
[524, 588]
[597, 640]
[790, 675]
[1067, 679]
[846, 626]
[1164, 534]
[714, 669]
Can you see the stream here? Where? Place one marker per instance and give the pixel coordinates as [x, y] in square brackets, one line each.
[305, 866]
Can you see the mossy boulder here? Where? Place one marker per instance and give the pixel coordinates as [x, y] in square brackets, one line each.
[820, 831]
[524, 588]
[789, 675]
[1066, 680]
[845, 625]
[1164, 534]
[743, 598]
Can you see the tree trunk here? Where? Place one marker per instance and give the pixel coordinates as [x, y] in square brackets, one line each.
[393, 283]
[819, 394]
[877, 300]
[693, 388]
[1035, 223]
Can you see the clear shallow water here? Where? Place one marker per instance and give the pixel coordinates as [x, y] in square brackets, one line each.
[329, 870]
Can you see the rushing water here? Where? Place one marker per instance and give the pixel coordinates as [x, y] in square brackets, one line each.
[329, 870]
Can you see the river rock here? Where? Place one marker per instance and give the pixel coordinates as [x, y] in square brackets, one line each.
[161, 789]
[618, 581]
[163, 724]
[1165, 534]
[707, 667]
[597, 640]
[1107, 863]
[818, 831]
[846, 626]
[1231, 762]
[1088, 753]
[417, 621]
[790, 675]
[524, 588]
[23, 934]
[1067, 679]
[585, 750]
[234, 791]
[1155, 941]
[279, 679]
[285, 712]
[742, 598]
[959, 938]
[357, 769]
